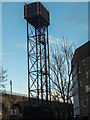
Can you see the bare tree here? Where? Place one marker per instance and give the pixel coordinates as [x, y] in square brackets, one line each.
[3, 78]
[61, 77]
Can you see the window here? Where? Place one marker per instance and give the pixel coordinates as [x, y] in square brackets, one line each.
[13, 112]
[87, 88]
[74, 70]
[87, 74]
[80, 83]
[79, 71]
[83, 62]
[84, 103]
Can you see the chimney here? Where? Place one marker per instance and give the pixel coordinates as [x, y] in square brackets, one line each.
[11, 86]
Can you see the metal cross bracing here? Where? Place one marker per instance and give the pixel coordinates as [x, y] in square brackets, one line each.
[38, 62]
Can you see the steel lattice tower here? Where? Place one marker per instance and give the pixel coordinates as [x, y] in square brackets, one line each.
[37, 18]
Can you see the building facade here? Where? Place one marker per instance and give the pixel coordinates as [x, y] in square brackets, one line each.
[81, 81]
[16, 107]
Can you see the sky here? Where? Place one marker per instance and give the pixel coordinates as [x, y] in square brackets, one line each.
[45, 0]
[66, 18]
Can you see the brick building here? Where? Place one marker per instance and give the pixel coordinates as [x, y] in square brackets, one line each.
[16, 107]
[81, 81]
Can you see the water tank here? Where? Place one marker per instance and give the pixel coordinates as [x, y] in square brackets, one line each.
[36, 14]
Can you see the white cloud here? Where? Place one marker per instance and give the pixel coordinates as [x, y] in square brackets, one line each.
[53, 40]
[21, 45]
[76, 21]
[72, 16]
[81, 23]
[7, 53]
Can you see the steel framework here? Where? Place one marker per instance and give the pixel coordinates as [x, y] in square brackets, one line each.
[38, 62]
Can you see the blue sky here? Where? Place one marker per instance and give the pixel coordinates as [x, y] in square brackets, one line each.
[69, 19]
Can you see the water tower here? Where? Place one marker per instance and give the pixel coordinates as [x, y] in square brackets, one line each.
[38, 20]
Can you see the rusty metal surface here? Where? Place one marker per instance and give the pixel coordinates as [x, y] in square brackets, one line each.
[38, 52]
[34, 11]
